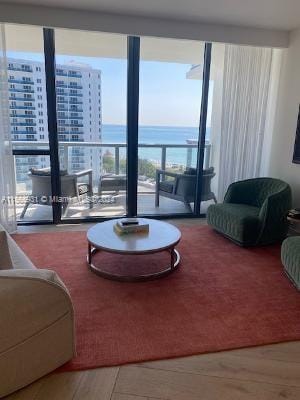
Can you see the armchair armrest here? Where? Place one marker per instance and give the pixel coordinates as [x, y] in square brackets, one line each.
[235, 192]
[32, 300]
[89, 173]
[166, 173]
[273, 216]
[83, 173]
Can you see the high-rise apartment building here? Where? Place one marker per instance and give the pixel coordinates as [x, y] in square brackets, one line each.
[78, 92]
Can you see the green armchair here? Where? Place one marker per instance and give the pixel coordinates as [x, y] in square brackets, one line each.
[253, 212]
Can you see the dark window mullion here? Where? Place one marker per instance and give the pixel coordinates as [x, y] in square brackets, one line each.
[49, 52]
[202, 126]
[132, 123]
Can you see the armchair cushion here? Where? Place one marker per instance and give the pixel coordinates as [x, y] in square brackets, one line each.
[166, 186]
[238, 221]
[46, 171]
[83, 188]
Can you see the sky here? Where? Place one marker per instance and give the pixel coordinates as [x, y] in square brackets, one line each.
[167, 97]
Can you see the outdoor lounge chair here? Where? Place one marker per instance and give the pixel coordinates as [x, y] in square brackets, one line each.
[71, 188]
[182, 187]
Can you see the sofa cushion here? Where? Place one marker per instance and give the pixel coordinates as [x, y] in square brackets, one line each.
[238, 221]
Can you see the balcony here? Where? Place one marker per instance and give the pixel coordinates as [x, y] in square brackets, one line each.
[16, 68]
[23, 123]
[24, 133]
[114, 204]
[31, 98]
[21, 81]
[22, 116]
[22, 107]
[21, 90]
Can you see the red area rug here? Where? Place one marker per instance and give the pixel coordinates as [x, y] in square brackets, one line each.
[222, 297]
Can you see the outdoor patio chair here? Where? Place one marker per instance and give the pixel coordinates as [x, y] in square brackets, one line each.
[112, 183]
[71, 188]
[182, 186]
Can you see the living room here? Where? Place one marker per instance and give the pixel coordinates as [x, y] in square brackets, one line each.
[149, 241]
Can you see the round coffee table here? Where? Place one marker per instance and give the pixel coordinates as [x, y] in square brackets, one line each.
[161, 237]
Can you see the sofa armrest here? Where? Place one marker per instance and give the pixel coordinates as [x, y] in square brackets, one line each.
[31, 301]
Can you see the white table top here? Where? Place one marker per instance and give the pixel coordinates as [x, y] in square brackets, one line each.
[161, 236]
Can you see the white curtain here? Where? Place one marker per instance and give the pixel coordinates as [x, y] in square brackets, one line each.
[7, 174]
[244, 102]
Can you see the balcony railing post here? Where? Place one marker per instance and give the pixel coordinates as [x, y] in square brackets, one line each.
[117, 160]
[189, 154]
[207, 156]
[163, 159]
[66, 156]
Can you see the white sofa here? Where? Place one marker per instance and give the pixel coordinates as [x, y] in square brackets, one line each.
[36, 319]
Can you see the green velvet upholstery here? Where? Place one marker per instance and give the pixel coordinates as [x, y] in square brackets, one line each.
[253, 211]
[290, 257]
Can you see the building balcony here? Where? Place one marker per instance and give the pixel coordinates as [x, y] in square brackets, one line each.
[21, 98]
[17, 107]
[75, 94]
[21, 81]
[15, 68]
[21, 90]
[25, 133]
[72, 156]
[75, 87]
[68, 117]
[75, 74]
[22, 116]
[23, 124]
[74, 102]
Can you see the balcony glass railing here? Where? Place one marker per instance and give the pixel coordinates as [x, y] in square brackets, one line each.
[21, 81]
[117, 150]
[21, 90]
[31, 98]
[22, 115]
[25, 133]
[23, 124]
[22, 107]
[15, 68]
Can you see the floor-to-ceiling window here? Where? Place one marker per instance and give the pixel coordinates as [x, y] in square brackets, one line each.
[28, 120]
[169, 113]
[78, 143]
[91, 81]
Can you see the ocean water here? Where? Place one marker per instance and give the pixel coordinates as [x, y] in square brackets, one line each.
[156, 135]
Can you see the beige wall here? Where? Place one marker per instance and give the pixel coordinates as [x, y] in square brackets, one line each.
[281, 165]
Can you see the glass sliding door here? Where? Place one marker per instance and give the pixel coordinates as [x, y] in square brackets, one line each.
[28, 121]
[169, 112]
[87, 87]
[91, 86]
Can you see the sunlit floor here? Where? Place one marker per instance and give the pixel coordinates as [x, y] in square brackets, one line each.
[109, 206]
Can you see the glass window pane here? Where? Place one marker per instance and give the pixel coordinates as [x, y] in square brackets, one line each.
[91, 82]
[169, 111]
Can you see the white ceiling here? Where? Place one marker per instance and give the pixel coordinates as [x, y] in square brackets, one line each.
[270, 14]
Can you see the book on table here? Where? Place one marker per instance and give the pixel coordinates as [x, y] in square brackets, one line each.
[131, 225]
